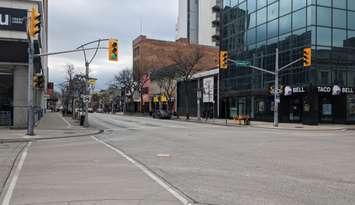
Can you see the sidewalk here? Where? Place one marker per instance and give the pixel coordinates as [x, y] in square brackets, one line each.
[52, 125]
[269, 125]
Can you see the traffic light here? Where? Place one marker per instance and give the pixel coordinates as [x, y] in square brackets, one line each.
[35, 81]
[38, 81]
[113, 50]
[307, 57]
[223, 60]
[35, 23]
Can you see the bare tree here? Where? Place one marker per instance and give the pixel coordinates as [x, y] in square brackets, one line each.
[188, 62]
[124, 80]
[140, 80]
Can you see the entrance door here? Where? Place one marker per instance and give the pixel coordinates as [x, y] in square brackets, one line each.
[326, 110]
[295, 110]
[6, 98]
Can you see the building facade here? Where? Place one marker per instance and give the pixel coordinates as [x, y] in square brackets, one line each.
[151, 54]
[14, 61]
[198, 21]
[322, 93]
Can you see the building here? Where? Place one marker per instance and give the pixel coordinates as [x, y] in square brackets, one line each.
[203, 90]
[14, 61]
[151, 54]
[322, 93]
[198, 21]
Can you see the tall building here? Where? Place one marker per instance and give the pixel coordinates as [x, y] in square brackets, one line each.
[322, 93]
[198, 21]
[14, 61]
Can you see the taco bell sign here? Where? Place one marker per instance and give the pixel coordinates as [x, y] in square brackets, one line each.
[13, 19]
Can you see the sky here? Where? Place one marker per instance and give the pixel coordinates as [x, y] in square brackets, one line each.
[75, 22]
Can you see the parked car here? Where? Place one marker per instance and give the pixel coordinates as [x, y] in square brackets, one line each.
[90, 110]
[100, 110]
[162, 114]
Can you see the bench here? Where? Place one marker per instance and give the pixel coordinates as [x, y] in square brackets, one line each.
[242, 120]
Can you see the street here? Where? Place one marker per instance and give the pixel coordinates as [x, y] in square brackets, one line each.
[139, 160]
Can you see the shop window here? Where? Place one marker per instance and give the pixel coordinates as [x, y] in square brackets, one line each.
[351, 108]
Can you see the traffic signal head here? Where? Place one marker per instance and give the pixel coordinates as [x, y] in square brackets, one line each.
[35, 23]
[223, 60]
[307, 57]
[113, 50]
[35, 81]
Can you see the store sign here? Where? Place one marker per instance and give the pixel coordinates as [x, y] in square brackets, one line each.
[13, 19]
[335, 90]
[295, 90]
[208, 88]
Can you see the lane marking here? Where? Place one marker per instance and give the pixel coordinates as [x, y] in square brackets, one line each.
[16, 174]
[183, 199]
[66, 121]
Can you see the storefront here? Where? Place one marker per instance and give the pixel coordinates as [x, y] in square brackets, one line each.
[6, 98]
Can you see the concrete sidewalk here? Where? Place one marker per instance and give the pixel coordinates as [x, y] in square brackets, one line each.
[269, 125]
[52, 125]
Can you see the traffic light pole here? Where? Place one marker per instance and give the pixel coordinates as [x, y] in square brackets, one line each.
[30, 114]
[276, 74]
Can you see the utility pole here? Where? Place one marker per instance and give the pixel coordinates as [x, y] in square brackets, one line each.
[276, 90]
[30, 114]
[198, 100]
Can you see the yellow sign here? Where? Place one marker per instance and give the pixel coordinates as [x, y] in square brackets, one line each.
[163, 98]
[155, 99]
[92, 82]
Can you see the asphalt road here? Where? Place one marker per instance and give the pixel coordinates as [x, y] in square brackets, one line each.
[228, 165]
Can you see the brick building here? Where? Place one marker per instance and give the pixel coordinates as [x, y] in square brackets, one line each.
[152, 54]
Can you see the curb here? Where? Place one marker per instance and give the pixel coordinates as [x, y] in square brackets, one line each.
[16, 140]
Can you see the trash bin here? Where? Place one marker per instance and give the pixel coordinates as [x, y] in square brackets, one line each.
[82, 119]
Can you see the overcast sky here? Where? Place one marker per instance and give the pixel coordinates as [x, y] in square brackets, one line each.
[74, 22]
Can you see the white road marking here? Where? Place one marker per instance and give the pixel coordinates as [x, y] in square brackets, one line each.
[153, 176]
[16, 174]
[66, 121]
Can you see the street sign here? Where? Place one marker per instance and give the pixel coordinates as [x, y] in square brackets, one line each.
[86, 98]
[243, 63]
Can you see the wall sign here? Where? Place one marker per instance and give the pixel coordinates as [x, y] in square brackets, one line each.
[324, 89]
[13, 19]
[296, 90]
[335, 90]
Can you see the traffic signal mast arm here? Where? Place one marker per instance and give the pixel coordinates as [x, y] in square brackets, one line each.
[254, 67]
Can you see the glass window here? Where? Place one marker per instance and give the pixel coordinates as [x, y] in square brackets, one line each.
[273, 11]
[299, 19]
[339, 18]
[252, 20]
[226, 3]
[285, 24]
[261, 16]
[297, 4]
[351, 34]
[285, 7]
[311, 15]
[339, 36]
[261, 33]
[325, 77]
[243, 6]
[340, 3]
[272, 29]
[234, 3]
[312, 29]
[261, 3]
[351, 5]
[251, 38]
[324, 36]
[351, 22]
[325, 2]
[324, 17]
[251, 5]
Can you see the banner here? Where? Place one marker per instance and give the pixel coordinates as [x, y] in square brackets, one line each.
[208, 90]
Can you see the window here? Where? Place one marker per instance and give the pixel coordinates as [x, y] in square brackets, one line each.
[311, 15]
[299, 19]
[324, 17]
[261, 33]
[252, 20]
[251, 5]
[273, 11]
[297, 4]
[339, 18]
[338, 37]
[351, 5]
[324, 77]
[351, 22]
[272, 29]
[285, 7]
[234, 3]
[243, 6]
[285, 24]
[325, 2]
[340, 4]
[251, 38]
[261, 3]
[261, 16]
[324, 36]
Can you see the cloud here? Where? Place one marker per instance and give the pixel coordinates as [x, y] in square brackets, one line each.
[74, 22]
